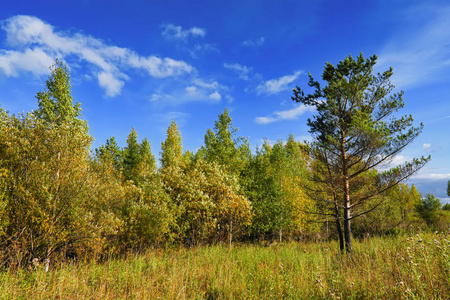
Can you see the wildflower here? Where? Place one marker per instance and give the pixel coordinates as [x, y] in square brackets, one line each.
[35, 262]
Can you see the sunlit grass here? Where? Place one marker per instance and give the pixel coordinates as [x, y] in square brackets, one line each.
[413, 267]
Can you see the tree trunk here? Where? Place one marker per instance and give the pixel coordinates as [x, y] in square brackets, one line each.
[339, 229]
[231, 231]
[347, 228]
[347, 215]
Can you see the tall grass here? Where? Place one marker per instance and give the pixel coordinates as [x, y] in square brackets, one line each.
[412, 267]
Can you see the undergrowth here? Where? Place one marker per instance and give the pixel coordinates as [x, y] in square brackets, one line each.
[402, 267]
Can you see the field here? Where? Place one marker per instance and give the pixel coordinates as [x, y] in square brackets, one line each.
[401, 267]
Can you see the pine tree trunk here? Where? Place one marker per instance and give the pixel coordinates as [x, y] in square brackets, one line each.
[339, 229]
[347, 228]
[347, 215]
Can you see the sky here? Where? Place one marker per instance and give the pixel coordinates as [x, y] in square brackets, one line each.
[142, 63]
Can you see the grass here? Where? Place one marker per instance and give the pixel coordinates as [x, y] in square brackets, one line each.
[403, 267]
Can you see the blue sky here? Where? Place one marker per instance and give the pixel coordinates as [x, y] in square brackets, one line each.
[142, 63]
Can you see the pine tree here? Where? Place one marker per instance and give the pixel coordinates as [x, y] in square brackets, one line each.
[355, 132]
[131, 157]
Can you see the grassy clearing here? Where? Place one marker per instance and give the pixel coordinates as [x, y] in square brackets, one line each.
[414, 267]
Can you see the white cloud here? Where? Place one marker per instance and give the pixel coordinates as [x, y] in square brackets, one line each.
[203, 91]
[35, 42]
[242, 71]
[274, 86]
[157, 67]
[192, 91]
[176, 33]
[156, 97]
[171, 31]
[254, 43]
[426, 146]
[207, 85]
[265, 120]
[432, 176]
[398, 160]
[290, 114]
[421, 55]
[215, 96]
[35, 61]
[110, 83]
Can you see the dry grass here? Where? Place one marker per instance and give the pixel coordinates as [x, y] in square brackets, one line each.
[414, 267]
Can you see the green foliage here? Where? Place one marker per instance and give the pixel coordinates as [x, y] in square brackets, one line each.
[47, 182]
[55, 102]
[448, 188]
[111, 151]
[429, 208]
[171, 148]
[395, 214]
[356, 131]
[57, 202]
[131, 157]
[45, 159]
[147, 162]
[272, 183]
[222, 145]
[207, 201]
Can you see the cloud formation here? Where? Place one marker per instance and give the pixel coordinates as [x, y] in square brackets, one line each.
[185, 39]
[173, 32]
[274, 86]
[196, 90]
[243, 72]
[432, 176]
[254, 43]
[290, 114]
[36, 43]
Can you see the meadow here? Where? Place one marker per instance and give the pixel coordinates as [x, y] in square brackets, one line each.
[398, 267]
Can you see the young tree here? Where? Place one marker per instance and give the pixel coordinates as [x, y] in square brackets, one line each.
[273, 179]
[46, 156]
[111, 151]
[355, 131]
[147, 162]
[55, 102]
[171, 148]
[429, 209]
[395, 214]
[223, 147]
[131, 157]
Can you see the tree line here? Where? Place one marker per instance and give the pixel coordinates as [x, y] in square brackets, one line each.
[59, 200]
